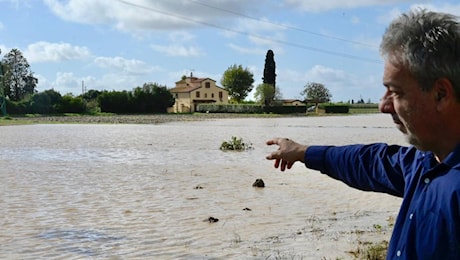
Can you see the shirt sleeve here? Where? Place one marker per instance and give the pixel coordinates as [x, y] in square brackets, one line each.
[375, 167]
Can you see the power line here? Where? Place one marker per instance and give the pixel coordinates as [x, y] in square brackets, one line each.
[282, 25]
[297, 45]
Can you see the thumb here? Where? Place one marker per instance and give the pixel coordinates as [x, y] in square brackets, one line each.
[272, 156]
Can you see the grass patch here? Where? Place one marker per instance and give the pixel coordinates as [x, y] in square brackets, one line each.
[7, 120]
[370, 251]
[363, 110]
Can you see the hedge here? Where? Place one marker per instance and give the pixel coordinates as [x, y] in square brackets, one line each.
[342, 109]
[249, 109]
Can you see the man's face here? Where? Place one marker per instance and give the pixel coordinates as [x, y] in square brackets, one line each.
[412, 110]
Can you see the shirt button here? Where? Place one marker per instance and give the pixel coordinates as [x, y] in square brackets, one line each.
[411, 215]
[427, 180]
[398, 254]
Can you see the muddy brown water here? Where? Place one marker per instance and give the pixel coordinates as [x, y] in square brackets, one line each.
[96, 191]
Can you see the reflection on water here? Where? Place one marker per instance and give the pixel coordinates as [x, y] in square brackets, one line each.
[129, 191]
[81, 242]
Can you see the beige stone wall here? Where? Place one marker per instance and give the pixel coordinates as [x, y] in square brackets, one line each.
[182, 104]
[212, 92]
[186, 101]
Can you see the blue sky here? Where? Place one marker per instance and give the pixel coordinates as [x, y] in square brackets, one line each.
[122, 44]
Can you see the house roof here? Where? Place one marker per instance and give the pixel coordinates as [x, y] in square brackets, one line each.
[192, 83]
[193, 80]
[186, 89]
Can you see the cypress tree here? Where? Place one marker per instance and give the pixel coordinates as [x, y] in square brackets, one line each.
[269, 70]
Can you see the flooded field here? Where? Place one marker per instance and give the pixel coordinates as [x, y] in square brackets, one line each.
[131, 191]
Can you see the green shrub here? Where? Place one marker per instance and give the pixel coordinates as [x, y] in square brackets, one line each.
[17, 107]
[71, 104]
[235, 144]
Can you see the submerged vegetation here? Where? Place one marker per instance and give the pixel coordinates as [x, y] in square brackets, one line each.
[235, 144]
[371, 251]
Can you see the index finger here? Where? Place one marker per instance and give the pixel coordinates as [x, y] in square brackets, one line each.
[274, 141]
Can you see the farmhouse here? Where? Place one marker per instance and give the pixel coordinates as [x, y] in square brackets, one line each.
[292, 102]
[191, 91]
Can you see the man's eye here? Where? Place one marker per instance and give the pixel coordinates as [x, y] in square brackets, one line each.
[393, 93]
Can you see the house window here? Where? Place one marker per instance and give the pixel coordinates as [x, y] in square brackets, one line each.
[198, 94]
[212, 95]
[221, 95]
[205, 95]
[207, 84]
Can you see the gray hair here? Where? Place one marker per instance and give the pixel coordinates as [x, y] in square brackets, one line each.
[427, 44]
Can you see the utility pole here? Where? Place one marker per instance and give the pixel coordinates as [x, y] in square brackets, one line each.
[83, 88]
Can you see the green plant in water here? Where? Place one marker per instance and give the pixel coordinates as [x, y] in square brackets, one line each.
[235, 144]
[371, 251]
[378, 227]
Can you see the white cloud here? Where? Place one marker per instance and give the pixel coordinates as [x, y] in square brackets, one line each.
[68, 82]
[178, 50]
[65, 79]
[321, 72]
[317, 73]
[83, 11]
[396, 12]
[3, 49]
[64, 83]
[181, 36]
[262, 35]
[447, 8]
[55, 52]
[262, 31]
[247, 50]
[343, 85]
[175, 76]
[322, 5]
[386, 18]
[176, 46]
[145, 15]
[129, 66]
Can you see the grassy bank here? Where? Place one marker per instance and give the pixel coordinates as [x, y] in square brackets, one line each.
[124, 119]
[106, 118]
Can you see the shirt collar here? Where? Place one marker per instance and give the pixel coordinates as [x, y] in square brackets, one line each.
[453, 159]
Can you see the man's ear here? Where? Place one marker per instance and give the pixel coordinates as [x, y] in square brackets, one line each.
[444, 92]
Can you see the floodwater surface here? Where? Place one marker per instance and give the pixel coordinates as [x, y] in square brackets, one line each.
[124, 191]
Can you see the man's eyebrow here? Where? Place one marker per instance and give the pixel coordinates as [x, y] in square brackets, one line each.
[391, 84]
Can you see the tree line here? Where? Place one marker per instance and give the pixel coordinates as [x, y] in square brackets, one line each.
[150, 98]
[18, 91]
[18, 94]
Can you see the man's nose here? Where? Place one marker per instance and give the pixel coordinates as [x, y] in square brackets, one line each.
[386, 105]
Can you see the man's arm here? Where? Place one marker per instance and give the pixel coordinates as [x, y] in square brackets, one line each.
[375, 167]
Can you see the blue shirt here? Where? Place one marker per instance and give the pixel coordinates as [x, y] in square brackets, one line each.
[428, 224]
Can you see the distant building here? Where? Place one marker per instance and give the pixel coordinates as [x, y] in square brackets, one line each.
[292, 102]
[191, 91]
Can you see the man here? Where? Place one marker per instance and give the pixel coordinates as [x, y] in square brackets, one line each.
[421, 50]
